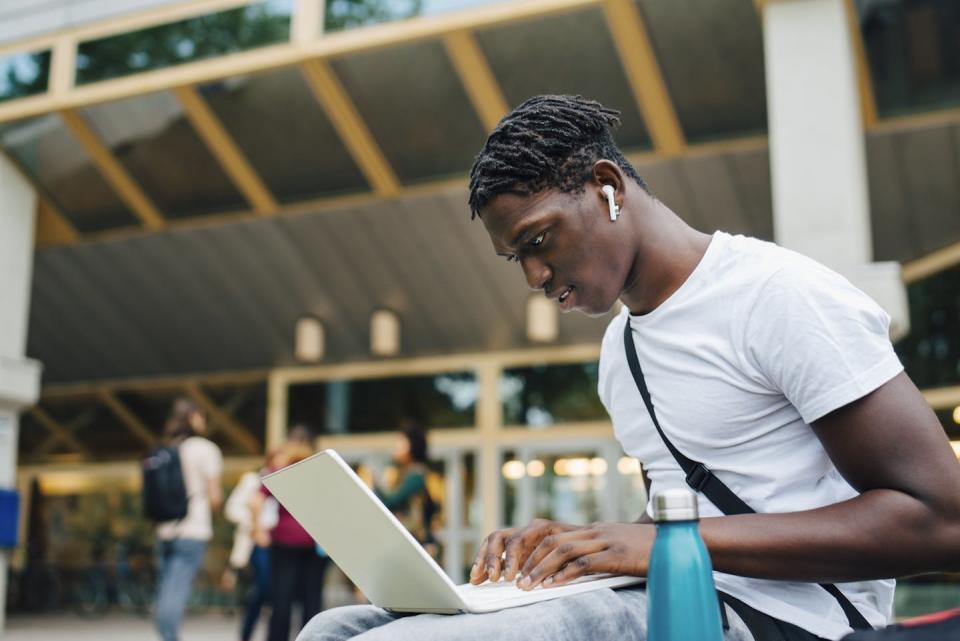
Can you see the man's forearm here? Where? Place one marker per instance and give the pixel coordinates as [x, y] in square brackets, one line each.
[879, 534]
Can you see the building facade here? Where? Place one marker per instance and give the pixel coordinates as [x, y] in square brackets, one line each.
[193, 192]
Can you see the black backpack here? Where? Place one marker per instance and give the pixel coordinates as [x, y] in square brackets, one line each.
[164, 490]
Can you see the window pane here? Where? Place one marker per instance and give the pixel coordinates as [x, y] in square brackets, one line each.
[347, 14]
[23, 74]
[919, 595]
[567, 487]
[544, 395]
[913, 49]
[931, 352]
[188, 40]
[379, 405]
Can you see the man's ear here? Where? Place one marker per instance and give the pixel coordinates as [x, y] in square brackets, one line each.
[607, 173]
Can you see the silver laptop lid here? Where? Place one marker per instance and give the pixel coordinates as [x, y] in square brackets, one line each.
[362, 537]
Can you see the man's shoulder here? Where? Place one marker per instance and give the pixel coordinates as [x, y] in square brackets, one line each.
[614, 332]
[759, 269]
[611, 347]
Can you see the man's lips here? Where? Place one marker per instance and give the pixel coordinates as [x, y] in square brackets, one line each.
[560, 294]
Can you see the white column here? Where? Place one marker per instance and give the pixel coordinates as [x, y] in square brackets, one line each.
[19, 376]
[821, 204]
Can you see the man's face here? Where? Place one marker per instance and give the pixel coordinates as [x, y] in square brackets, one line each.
[565, 244]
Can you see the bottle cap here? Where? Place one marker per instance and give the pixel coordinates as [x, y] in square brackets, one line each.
[675, 504]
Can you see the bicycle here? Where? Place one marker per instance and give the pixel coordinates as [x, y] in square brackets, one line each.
[128, 583]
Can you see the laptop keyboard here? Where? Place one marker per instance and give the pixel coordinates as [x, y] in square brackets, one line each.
[505, 591]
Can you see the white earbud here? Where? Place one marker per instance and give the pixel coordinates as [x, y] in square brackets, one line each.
[614, 208]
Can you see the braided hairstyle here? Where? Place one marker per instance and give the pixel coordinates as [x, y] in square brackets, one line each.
[546, 142]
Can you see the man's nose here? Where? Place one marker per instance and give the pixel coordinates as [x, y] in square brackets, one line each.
[536, 271]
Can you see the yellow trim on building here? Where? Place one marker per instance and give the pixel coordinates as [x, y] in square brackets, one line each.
[477, 77]
[225, 150]
[358, 140]
[643, 73]
[113, 172]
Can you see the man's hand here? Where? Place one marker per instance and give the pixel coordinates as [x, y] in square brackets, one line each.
[552, 554]
[614, 548]
[517, 543]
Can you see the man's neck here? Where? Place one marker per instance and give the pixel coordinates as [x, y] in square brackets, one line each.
[668, 250]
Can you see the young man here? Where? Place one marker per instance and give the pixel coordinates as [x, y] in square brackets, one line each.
[182, 544]
[772, 370]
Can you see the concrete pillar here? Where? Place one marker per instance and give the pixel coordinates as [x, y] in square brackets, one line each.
[821, 204]
[19, 376]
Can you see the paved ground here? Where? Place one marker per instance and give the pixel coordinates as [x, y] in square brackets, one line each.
[214, 626]
[118, 627]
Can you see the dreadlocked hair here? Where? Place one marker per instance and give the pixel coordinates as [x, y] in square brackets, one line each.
[546, 142]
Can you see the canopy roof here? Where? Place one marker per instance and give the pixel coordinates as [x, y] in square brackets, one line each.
[211, 171]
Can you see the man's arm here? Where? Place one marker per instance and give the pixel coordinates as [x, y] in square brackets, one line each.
[890, 447]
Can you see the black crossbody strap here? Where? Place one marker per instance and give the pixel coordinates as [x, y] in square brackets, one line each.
[701, 479]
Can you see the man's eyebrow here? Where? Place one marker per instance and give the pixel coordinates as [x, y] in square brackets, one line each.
[524, 228]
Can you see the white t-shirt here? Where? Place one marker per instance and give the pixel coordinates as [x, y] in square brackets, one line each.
[201, 461]
[756, 344]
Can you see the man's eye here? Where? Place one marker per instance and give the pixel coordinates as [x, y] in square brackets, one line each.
[513, 259]
[539, 239]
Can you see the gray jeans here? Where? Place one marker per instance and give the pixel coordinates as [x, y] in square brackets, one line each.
[591, 616]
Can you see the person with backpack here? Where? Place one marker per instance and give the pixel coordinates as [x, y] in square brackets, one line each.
[182, 488]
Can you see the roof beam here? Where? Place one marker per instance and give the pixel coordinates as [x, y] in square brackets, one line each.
[262, 58]
[353, 131]
[234, 430]
[114, 173]
[868, 103]
[58, 432]
[52, 227]
[130, 420]
[172, 384]
[931, 264]
[225, 150]
[477, 77]
[643, 73]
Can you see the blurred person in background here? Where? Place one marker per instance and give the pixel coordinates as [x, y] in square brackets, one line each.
[406, 491]
[182, 543]
[301, 433]
[245, 552]
[297, 568]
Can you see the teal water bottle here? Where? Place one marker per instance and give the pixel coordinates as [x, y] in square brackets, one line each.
[682, 599]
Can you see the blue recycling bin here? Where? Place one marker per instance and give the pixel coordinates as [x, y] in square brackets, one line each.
[9, 517]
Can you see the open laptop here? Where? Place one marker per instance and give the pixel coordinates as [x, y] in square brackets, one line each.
[380, 556]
